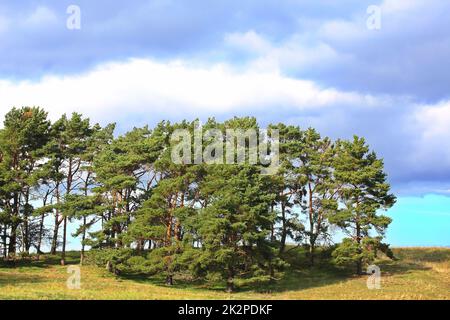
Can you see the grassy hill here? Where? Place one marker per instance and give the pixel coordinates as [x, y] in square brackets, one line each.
[418, 273]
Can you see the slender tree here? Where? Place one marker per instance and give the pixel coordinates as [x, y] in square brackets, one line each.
[289, 188]
[120, 169]
[319, 190]
[24, 134]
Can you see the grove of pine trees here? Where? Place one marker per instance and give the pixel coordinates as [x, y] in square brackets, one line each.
[139, 212]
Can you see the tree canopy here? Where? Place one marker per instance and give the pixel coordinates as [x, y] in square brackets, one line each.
[137, 210]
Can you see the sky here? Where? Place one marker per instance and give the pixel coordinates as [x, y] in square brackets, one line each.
[308, 63]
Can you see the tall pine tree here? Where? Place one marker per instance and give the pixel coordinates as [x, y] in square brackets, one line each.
[363, 192]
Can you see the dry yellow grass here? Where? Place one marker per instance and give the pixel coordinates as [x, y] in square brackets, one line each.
[420, 273]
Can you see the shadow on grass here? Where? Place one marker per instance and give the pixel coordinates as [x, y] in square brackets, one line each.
[423, 254]
[414, 259]
[17, 278]
[292, 280]
[401, 267]
[45, 261]
[299, 276]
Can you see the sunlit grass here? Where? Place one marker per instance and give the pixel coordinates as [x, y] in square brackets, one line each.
[419, 273]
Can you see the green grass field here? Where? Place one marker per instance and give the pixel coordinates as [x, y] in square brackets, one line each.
[418, 273]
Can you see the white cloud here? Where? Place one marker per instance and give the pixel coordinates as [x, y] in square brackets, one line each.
[41, 16]
[430, 124]
[298, 51]
[344, 48]
[248, 41]
[345, 30]
[4, 24]
[145, 91]
[395, 6]
[150, 88]
[435, 120]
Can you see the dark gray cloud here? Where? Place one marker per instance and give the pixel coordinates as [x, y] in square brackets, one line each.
[408, 56]
[113, 30]
[403, 67]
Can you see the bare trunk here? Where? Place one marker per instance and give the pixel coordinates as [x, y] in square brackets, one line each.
[41, 228]
[57, 223]
[312, 236]
[358, 240]
[55, 236]
[272, 228]
[13, 235]
[169, 231]
[12, 241]
[283, 228]
[230, 280]
[311, 253]
[83, 238]
[63, 253]
[26, 227]
[5, 249]
[109, 266]
[68, 190]
[169, 280]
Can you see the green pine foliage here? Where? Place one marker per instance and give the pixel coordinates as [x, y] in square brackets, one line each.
[363, 192]
[139, 212]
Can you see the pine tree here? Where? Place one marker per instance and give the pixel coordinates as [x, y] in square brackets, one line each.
[121, 168]
[143, 212]
[288, 187]
[85, 203]
[161, 218]
[68, 144]
[363, 192]
[24, 134]
[234, 227]
[319, 191]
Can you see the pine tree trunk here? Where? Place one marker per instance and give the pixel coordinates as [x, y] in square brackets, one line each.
[26, 243]
[271, 272]
[63, 253]
[12, 241]
[5, 249]
[312, 239]
[283, 228]
[14, 225]
[56, 228]
[55, 236]
[169, 280]
[272, 228]
[358, 240]
[359, 267]
[41, 228]
[230, 279]
[109, 266]
[26, 226]
[312, 248]
[83, 238]
[68, 190]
